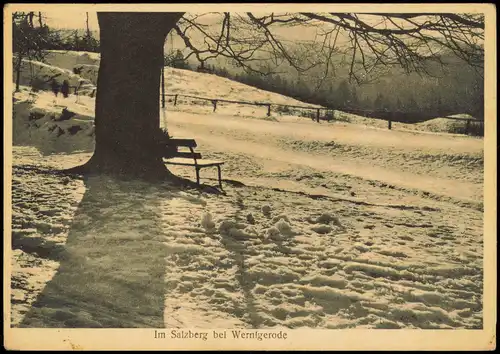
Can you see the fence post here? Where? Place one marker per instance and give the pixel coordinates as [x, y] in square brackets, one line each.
[390, 119]
[163, 86]
[268, 110]
[467, 127]
[175, 100]
[317, 115]
[214, 102]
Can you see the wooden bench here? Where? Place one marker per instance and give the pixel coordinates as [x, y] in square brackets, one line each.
[191, 158]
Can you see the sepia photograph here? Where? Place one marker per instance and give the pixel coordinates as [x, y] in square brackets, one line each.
[217, 176]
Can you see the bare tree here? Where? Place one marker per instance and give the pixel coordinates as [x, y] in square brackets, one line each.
[371, 41]
[127, 104]
[28, 41]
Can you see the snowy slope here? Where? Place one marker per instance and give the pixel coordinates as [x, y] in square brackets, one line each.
[251, 258]
[31, 69]
[320, 225]
[209, 86]
[180, 81]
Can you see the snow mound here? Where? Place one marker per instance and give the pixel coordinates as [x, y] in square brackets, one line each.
[88, 72]
[68, 59]
[226, 226]
[283, 227]
[207, 222]
[281, 217]
[327, 218]
[273, 233]
[50, 128]
[32, 71]
[335, 281]
[321, 229]
[442, 125]
[242, 234]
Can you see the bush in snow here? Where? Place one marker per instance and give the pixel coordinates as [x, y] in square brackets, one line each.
[37, 84]
[65, 115]
[250, 219]
[73, 129]
[266, 210]
[326, 219]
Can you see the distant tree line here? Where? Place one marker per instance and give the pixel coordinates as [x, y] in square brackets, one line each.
[31, 32]
[457, 88]
[32, 38]
[73, 40]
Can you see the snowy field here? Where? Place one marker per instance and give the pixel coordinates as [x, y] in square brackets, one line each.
[330, 225]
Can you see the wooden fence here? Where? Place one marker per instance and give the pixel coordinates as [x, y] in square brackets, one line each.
[268, 105]
[390, 119]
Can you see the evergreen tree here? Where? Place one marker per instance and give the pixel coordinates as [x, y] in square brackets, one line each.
[178, 60]
[381, 102]
[412, 105]
[343, 94]
[399, 105]
[28, 42]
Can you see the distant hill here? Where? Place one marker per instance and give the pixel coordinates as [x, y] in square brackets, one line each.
[187, 82]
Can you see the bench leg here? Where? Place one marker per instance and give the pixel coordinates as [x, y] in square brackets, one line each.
[220, 176]
[197, 175]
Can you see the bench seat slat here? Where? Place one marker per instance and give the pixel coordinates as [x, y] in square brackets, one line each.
[209, 163]
[190, 162]
[191, 158]
[187, 155]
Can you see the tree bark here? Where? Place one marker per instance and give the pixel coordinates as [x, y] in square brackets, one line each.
[127, 122]
[19, 62]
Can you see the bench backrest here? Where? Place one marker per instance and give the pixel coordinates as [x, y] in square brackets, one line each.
[183, 142]
[188, 143]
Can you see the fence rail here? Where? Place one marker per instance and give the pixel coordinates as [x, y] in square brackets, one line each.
[318, 110]
[267, 104]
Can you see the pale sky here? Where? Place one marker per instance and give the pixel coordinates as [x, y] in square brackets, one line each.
[75, 19]
[71, 19]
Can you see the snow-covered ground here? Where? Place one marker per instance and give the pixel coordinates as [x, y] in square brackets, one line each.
[329, 225]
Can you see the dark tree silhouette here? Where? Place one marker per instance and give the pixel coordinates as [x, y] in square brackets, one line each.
[65, 88]
[27, 41]
[127, 119]
[128, 138]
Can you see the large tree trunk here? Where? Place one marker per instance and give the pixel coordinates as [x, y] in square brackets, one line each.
[127, 122]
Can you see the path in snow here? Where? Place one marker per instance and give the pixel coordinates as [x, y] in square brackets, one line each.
[107, 253]
[258, 139]
[346, 243]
